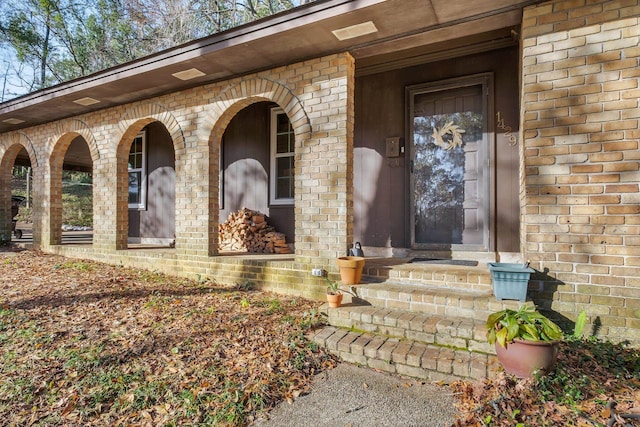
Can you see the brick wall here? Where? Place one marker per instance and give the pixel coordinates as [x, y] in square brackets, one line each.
[317, 95]
[581, 204]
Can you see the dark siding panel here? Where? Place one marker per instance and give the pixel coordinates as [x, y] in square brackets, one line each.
[246, 161]
[158, 219]
[381, 198]
[507, 157]
[380, 195]
[134, 223]
[282, 218]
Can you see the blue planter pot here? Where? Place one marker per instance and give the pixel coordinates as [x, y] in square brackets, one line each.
[510, 281]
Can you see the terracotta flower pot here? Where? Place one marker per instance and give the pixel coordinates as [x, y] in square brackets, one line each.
[521, 358]
[334, 300]
[351, 269]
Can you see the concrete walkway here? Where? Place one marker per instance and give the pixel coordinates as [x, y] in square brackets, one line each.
[361, 397]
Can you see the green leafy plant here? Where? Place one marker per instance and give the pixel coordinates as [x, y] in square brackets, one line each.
[578, 331]
[526, 324]
[76, 265]
[333, 287]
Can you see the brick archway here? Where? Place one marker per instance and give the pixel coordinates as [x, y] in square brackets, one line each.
[23, 140]
[68, 130]
[9, 149]
[131, 123]
[75, 127]
[224, 107]
[234, 98]
[147, 113]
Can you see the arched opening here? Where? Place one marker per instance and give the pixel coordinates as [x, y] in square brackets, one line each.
[151, 181]
[72, 191]
[226, 107]
[21, 197]
[257, 174]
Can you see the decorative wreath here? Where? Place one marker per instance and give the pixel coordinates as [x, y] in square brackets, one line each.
[456, 134]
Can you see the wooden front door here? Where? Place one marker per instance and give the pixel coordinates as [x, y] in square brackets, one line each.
[450, 168]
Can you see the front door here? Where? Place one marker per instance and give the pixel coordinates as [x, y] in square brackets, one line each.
[450, 169]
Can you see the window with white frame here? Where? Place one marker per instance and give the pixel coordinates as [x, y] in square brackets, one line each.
[137, 172]
[221, 185]
[282, 158]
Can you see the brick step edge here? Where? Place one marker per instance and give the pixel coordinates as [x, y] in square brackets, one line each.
[464, 286]
[430, 300]
[406, 357]
[478, 278]
[437, 330]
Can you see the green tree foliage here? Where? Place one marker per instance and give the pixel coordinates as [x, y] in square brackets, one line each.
[29, 36]
[46, 42]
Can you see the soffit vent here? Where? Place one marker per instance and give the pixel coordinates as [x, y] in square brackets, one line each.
[13, 121]
[189, 74]
[354, 31]
[86, 101]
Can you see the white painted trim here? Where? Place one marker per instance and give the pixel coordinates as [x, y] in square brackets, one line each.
[143, 174]
[273, 156]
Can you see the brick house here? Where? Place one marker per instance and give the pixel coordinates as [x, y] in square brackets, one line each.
[471, 132]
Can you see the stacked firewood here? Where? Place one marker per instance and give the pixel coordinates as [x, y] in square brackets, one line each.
[248, 231]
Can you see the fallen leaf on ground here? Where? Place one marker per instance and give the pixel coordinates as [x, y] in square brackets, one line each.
[89, 344]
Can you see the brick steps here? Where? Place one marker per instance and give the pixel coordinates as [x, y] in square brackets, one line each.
[445, 331]
[428, 346]
[425, 321]
[405, 357]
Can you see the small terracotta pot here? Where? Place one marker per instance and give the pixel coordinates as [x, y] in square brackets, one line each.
[521, 358]
[351, 269]
[334, 300]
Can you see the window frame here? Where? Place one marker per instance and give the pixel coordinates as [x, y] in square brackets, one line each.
[221, 175]
[142, 205]
[273, 175]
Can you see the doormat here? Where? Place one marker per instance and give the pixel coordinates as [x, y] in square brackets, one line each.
[444, 261]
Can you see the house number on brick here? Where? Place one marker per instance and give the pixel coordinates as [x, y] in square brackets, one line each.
[513, 140]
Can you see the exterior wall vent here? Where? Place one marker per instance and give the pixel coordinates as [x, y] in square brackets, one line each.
[86, 101]
[189, 74]
[354, 31]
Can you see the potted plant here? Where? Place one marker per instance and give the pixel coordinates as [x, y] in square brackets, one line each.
[526, 341]
[334, 294]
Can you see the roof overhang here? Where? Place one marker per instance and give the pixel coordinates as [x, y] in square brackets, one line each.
[379, 33]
